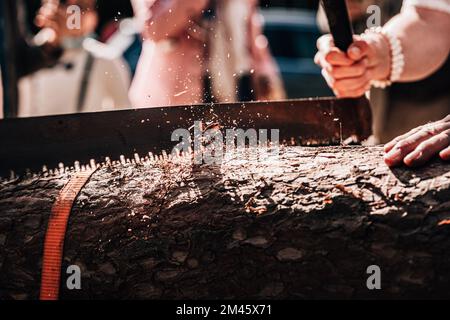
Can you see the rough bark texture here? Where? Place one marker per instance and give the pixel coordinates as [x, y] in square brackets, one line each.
[305, 226]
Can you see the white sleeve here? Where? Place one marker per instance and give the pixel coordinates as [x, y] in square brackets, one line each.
[116, 79]
[440, 5]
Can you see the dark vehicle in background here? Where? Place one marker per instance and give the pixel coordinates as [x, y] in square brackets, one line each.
[292, 35]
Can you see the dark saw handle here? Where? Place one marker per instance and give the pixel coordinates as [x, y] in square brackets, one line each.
[340, 27]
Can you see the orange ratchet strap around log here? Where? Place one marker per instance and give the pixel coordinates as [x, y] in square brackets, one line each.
[56, 231]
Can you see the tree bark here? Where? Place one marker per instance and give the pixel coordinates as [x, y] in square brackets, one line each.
[307, 225]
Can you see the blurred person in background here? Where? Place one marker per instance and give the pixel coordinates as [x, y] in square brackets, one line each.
[411, 46]
[403, 106]
[118, 28]
[203, 51]
[18, 55]
[85, 78]
[111, 15]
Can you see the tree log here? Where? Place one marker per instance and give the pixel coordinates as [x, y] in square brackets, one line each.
[307, 225]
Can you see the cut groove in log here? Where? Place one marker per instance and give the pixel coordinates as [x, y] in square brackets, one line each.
[305, 226]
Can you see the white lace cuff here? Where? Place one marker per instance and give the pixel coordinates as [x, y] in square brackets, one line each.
[440, 5]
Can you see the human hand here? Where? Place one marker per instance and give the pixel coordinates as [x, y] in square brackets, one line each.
[350, 73]
[50, 20]
[419, 145]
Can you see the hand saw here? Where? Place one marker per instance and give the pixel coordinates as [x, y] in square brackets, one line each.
[30, 143]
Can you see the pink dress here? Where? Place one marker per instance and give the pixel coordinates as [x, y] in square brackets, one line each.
[172, 64]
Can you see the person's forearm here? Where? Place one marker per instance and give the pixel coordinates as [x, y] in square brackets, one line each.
[425, 39]
[169, 19]
[235, 17]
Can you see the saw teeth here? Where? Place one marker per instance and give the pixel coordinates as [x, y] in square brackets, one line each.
[44, 169]
[137, 158]
[77, 166]
[150, 159]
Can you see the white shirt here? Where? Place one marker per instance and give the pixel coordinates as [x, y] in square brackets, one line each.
[56, 90]
[440, 5]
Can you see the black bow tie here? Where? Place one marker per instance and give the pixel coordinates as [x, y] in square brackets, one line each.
[66, 65]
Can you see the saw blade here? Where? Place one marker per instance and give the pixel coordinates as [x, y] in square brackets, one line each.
[31, 143]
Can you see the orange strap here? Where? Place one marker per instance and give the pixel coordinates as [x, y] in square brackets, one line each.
[56, 231]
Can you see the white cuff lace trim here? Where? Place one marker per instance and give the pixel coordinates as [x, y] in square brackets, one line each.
[440, 5]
